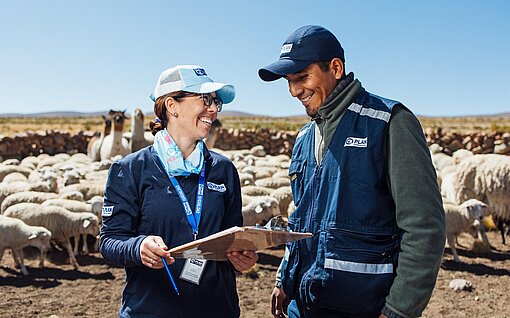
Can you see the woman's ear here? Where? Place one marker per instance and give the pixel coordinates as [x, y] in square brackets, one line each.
[337, 68]
[170, 105]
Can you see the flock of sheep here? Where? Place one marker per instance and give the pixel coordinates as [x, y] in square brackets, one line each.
[473, 187]
[47, 200]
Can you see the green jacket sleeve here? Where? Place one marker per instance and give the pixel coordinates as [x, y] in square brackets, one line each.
[419, 213]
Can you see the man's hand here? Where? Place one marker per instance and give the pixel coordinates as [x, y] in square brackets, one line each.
[279, 303]
[242, 260]
[152, 250]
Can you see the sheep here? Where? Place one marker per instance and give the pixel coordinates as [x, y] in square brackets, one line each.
[260, 209]
[486, 178]
[71, 177]
[15, 176]
[5, 170]
[9, 162]
[273, 183]
[26, 196]
[77, 206]
[62, 223]
[138, 140]
[16, 234]
[72, 195]
[460, 218]
[7, 189]
[88, 190]
[255, 190]
[284, 196]
[261, 172]
[115, 144]
[49, 161]
[94, 145]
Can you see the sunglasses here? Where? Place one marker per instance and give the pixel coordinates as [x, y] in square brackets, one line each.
[207, 98]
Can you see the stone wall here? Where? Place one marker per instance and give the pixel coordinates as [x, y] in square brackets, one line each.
[274, 142]
[51, 142]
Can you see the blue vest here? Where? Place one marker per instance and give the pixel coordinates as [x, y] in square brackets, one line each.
[349, 264]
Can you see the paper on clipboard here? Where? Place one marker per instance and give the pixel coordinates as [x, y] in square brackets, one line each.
[246, 238]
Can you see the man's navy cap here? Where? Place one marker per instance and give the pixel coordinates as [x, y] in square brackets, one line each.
[306, 45]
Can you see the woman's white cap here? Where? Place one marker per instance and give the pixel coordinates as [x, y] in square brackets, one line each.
[193, 79]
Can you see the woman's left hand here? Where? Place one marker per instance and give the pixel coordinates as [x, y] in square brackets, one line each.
[242, 260]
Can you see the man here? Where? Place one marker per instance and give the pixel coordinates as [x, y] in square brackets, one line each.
[363, 183]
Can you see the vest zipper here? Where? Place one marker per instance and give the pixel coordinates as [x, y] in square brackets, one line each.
[309, 221]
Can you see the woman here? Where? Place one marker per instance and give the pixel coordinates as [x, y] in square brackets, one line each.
[143, 212]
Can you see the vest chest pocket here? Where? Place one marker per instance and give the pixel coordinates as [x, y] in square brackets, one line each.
[297, 175]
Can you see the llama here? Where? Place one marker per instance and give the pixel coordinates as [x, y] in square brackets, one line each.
[213, 134]
[94, 146]
[114, 144]
[138, 139]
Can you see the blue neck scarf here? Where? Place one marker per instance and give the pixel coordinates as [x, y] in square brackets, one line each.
[171, 156]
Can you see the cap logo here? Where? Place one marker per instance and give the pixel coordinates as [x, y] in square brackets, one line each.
[286, 48]
[199, 71]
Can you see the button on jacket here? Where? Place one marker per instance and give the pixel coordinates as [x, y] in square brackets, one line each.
[140, 201]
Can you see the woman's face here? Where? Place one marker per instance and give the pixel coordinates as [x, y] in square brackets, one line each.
[194, 118]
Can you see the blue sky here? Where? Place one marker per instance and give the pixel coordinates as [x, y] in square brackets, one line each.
[440, 58]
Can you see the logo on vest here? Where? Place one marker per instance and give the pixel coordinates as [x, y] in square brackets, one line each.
[356, 142]
[107, 210]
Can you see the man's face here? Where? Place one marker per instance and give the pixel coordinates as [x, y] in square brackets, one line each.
[312, 86]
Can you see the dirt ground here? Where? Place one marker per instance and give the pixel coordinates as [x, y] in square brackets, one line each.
[94, 290]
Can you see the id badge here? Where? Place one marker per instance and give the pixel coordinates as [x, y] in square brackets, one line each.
[193, 270]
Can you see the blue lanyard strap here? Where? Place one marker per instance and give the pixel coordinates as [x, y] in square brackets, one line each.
[193, 218]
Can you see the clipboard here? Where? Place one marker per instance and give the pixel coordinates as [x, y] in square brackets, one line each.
[246, 238]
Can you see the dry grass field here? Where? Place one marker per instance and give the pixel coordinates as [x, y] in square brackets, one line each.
[12, 125]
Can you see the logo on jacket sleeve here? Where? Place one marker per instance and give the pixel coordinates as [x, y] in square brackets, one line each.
[216, 187]
[356, 142]
[107, 210]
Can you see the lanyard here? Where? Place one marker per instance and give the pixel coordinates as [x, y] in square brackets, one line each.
[193, 218]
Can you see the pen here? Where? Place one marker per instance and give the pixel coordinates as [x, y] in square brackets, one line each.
[170, 275]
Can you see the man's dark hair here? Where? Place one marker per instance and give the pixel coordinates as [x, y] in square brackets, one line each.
[323, 65]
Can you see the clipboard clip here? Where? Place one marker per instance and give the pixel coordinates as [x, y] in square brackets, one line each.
[276, 223]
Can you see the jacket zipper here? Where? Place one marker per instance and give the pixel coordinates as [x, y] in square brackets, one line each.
[309, 221]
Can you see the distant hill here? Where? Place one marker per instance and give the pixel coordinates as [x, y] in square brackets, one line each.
[227, 113]
[502, 115]
[55, 114]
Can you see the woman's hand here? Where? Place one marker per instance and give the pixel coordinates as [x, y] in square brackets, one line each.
[242, 260]
[152, 250]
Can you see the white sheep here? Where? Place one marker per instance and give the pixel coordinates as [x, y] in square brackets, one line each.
[27, 197]
[6, 189]
[5, 170]
[62, 223]
[273, 183]
[260, 209]
[284, 196]
[460, 219]
[14, 177]
[72, 195]
[88, 190]
[252, 190]
[78, 206]
[486, 178]
[16, 235]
